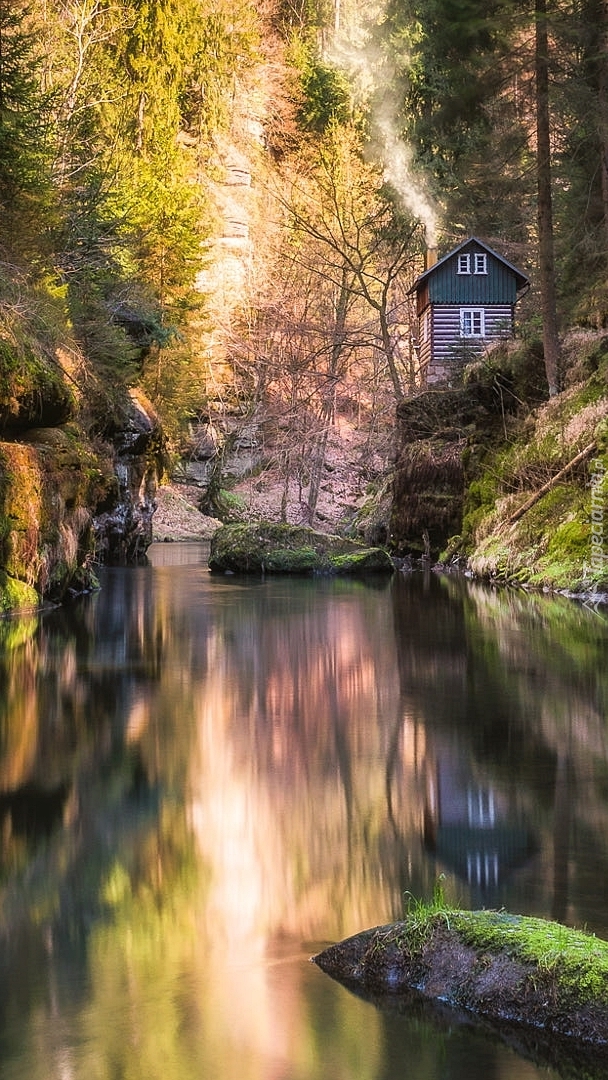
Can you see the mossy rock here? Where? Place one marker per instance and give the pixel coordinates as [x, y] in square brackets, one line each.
[33, 391]
[47, 491]
[268, 548]
[16, 596]
[502, 967]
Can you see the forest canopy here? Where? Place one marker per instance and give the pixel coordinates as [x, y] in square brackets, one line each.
[114, 119]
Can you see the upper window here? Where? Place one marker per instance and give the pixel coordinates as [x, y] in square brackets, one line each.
[472, 322]
[473, 263]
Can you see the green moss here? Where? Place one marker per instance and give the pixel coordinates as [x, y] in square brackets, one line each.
[550, 546]
[16, 595]
[580, 960]
[570, 541]
[575, 960]
[31, 388]
[267, 547]
[292, 561]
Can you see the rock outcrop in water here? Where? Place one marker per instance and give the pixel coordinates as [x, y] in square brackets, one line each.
[499, 966]
[270, 548]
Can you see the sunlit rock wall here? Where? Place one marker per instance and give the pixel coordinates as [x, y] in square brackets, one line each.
[64, 504]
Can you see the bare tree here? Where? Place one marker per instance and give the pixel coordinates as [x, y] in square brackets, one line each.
[298, 354]
[356, 237]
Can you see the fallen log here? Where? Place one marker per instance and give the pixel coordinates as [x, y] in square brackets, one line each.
[499, 966]
[523, 509]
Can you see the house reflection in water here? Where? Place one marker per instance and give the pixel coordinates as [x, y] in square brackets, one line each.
[470, 826]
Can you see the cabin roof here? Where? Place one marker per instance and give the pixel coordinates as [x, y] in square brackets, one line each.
[521, 281]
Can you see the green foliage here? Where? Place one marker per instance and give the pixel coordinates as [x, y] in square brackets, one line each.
[226, 40]
[101, 169]
[420, 911]
[302, 17]
[579, 960]
[25, 131]
[468, 131]
[578, 98]
[464, 75]
[325, 91]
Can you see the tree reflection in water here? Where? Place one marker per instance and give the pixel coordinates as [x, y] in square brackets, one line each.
[249, 768]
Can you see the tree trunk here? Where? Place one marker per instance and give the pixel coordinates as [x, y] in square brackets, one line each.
[388, 346]
[603, 106]
[328, 404]
[545, 206]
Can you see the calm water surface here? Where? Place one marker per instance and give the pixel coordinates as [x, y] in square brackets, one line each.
[204, 780]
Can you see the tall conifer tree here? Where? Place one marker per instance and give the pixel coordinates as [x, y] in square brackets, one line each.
[24, 127]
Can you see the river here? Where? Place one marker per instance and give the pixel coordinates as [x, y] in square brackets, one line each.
[204, 780]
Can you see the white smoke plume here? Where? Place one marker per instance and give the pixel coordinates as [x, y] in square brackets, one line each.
[370, 75]
[398, 171]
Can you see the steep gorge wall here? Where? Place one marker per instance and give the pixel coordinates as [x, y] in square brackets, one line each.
[436, 435]
[66, 502]
[512, 485]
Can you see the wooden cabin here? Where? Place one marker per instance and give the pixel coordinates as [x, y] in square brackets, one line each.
[463, 301]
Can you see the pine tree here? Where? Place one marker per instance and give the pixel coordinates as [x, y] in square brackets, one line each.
[580, 159]
[25, 144]
[458, 74]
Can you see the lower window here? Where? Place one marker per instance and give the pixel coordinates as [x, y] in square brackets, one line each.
[472, 322]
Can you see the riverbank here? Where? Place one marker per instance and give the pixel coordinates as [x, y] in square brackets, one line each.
[177, 517]
[512, 486]
[489, 478]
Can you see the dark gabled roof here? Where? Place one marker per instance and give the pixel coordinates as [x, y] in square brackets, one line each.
[521, 280]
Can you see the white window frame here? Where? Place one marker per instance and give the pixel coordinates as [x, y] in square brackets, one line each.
[464, 263]
[480, 262]
[472, 322]
[426, 326]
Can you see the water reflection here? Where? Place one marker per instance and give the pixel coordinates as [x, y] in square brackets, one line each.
[202, 779]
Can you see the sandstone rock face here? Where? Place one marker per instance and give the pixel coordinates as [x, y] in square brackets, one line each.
[64, 504]
[123, 529]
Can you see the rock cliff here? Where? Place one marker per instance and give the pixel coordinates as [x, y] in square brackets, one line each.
[70, 497]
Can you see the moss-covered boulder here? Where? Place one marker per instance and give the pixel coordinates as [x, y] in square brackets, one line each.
[66, 504]
[269, 548]
[500, 966]
[47, 490]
